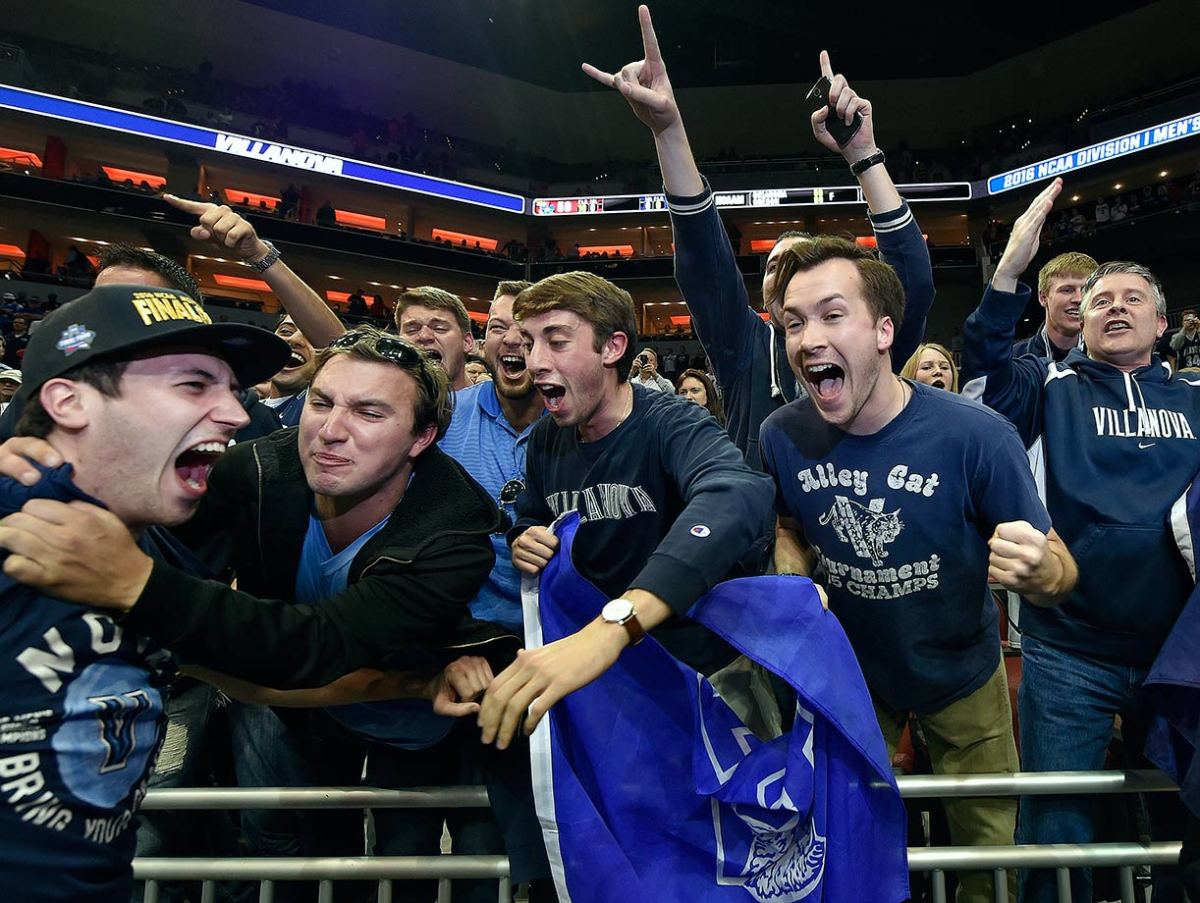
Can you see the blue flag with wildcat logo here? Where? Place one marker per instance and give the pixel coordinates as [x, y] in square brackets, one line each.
[649, 787]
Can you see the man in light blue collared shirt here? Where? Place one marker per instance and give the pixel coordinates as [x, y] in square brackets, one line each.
[488, 435]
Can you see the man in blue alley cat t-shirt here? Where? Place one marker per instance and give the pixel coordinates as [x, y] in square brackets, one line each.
[911, 499]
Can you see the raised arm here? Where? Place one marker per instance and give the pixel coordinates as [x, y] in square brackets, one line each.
[232, 232]
[705, 264]
[645, 85]
[990, 373]
[899, 238]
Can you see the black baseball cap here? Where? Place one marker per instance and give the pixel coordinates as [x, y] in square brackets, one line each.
[116, 322]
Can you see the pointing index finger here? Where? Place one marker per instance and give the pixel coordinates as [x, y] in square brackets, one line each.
[605, 78]
[196, 207]
[826, 65]
[649, 38]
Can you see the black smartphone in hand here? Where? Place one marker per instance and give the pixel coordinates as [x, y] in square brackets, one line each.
[842, 133]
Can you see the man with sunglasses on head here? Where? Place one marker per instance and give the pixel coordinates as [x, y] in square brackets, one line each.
[356, 543]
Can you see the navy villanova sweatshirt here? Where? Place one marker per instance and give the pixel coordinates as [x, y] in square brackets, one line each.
[1112, 453]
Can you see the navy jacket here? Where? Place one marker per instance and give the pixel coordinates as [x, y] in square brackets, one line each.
[1039, 345]
[1111, 453]
[748, 354]
[81, 720]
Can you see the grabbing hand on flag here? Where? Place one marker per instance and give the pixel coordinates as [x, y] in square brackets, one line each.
[541, 677]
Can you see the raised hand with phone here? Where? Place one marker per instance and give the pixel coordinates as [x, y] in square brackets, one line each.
[843, 122]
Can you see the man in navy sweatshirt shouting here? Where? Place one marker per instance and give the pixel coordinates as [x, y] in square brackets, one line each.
[667, 505]
[1111, 436]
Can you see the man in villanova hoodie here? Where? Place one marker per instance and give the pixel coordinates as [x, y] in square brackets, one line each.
[1111, 437]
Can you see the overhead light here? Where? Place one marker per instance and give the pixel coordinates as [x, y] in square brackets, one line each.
[1074, 197]
[1163, 174]
[335, 277]
[1118, 187]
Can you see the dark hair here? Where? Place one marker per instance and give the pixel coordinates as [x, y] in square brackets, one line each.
[881, 286]
[592, 298]
[479, 359]
[152, 262]
[512, 287]
[712, 400]
[103, 376]
[792, 233]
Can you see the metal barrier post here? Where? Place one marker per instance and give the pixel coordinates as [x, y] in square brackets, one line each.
[938, 878]
[1127, 884]
[1000, 885]
[1063, 882]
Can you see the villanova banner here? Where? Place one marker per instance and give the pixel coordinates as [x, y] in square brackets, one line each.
[649, 787]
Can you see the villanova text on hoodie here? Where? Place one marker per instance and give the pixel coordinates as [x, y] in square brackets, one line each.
[81, 721]
[1111, 453]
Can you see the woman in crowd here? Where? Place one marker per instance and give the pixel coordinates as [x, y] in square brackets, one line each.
[933, 365]
[697, 386]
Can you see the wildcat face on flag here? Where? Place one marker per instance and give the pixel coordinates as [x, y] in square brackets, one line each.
[649, 787]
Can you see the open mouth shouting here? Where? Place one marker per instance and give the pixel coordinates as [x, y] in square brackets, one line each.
[297, 360]
[1115, 326]
[938, 382]
[825, 379]
[193, 465]
[552, 395]
[511, 366]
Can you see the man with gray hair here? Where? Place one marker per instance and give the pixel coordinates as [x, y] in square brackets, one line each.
[1114, 410]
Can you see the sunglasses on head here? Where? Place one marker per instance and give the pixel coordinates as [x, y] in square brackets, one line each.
[510, 490]
[392, 348]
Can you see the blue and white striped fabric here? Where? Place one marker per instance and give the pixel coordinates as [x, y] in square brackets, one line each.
[648, 786]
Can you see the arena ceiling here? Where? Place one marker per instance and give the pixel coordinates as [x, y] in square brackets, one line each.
[713, 42]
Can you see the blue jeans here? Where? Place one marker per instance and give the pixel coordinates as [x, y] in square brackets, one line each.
[1067, 704]
[183, 761]
[271, 752]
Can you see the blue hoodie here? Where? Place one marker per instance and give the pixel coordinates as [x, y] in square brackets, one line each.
[1111, 452]
[81, 721]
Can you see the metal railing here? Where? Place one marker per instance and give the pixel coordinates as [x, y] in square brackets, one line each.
[937, 861]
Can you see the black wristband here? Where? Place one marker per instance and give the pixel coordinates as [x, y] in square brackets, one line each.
[867, 162]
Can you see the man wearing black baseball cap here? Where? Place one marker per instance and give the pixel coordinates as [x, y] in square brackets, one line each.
[135, 388]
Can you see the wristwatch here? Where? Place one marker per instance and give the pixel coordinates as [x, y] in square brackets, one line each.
[867, 162]
[261, 266]
[621, 611]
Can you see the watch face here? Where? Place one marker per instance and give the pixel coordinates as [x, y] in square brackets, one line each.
[617, 611]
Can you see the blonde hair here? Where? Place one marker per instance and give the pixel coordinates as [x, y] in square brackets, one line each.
[1073, 264]
[909, 370]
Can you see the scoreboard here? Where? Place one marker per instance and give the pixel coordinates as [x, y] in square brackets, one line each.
[752, 198]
